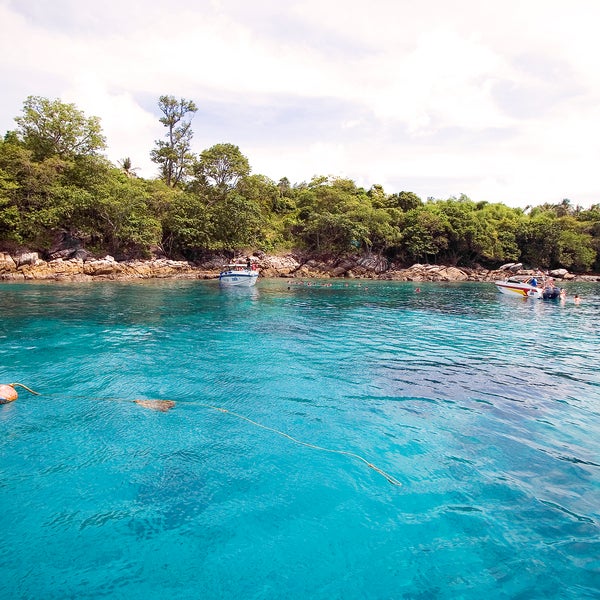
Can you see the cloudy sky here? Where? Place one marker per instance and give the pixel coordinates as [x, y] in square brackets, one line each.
[496, 100]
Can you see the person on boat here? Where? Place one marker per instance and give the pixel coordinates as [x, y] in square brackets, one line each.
[248, 263]
[533, 282]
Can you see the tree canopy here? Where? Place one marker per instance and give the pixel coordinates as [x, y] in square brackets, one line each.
[53, 128]
[56, 185]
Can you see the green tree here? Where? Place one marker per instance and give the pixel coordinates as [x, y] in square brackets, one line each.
[575, 250]
[53, 128]
[9, 213]
[235, 222]
[187, 225]
[174, 155]
[590, 223]
[405, 201]
[377, 196]
[575, 244]
[221, 167]
[424, 234]
[561, 209]
[537, 238]
[503, 223]
[32, 206]
[334, 215]
[465, 233]
[114, 216]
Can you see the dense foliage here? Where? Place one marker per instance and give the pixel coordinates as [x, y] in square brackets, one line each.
[56, 189]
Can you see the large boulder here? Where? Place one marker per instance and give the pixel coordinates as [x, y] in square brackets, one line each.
[56, 269]
[103, 267]
[278, 266]
[27, 258]
[160, 268]
[514, 267]
[7, 264]
[373, 262]
[452, 274]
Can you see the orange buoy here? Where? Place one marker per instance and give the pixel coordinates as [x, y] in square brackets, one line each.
[7, 393]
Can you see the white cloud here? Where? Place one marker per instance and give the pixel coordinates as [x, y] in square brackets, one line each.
[130, 130]
[495, 100]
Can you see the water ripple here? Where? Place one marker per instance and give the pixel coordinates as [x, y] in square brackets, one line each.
[485, 408]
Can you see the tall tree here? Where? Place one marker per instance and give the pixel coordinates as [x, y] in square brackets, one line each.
[222, 166]
[174, 155]
[52, 128]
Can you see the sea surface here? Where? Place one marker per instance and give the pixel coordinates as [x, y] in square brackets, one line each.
[338, 440]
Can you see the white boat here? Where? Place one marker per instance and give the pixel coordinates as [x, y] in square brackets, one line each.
[525, 286]
[238, 274]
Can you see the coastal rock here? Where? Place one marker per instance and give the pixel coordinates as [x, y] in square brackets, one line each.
[57, 269]
[7, 264]
[452, 274]
[82, 254]
[588, 278]
[375, 263]
[28, 258]
[103, 267]
[511, 267]
[420, 273]
[159, 268]
[76, 269]
[137, 269]
[82, 267]
[278, 266]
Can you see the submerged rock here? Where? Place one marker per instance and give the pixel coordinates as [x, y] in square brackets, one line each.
[159, 405]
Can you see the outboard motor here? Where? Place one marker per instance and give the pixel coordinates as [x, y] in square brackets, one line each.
[550, 293]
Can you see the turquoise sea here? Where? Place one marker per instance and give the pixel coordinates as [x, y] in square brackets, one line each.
[485, 408]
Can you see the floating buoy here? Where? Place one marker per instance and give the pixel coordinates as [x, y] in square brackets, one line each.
[160, 405]
[9, 394]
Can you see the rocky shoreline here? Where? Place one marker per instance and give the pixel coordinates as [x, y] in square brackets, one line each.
[30, 267]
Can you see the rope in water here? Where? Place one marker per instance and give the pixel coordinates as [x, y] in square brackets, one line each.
[389, 477]
[12, 385]
[369, 464]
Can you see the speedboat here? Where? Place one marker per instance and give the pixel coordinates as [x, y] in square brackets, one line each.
[526, 286]
[238, 274]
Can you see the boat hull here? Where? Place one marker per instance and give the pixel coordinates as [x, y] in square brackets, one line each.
[238, 279]
[521, 290]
